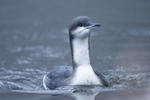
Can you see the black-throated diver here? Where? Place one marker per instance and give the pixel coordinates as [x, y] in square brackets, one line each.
[83, 73]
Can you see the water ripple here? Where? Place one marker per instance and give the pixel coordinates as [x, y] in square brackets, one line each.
[31, 79]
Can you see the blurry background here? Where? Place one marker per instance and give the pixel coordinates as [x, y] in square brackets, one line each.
[34, 39]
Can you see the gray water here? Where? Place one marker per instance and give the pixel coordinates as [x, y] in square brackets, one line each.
[34, 40]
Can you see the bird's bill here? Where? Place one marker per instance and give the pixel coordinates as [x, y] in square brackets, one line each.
[93, 26]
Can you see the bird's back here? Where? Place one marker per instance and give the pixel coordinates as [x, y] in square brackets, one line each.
[56, 77]
[103, 79]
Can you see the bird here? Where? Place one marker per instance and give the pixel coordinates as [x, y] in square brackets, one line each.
[82, 72]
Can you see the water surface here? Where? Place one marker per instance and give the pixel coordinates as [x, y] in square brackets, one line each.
[34, 40]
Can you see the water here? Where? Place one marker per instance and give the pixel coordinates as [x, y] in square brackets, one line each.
[34, 40]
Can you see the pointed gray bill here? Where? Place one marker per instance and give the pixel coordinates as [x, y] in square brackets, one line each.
[93, 26]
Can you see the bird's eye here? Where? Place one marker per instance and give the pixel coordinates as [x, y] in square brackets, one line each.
[80, 25]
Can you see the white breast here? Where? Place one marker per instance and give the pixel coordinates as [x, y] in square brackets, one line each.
[85, 75]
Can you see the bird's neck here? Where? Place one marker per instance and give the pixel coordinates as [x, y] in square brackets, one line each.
[80, 52]
[83, 71]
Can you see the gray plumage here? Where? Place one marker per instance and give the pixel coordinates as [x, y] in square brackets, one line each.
[58, 77]
[79, 21]
[62, 76]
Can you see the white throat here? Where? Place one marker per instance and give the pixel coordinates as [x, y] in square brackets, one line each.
[81, 51]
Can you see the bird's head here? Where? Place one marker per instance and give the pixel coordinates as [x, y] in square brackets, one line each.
[81, 27]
